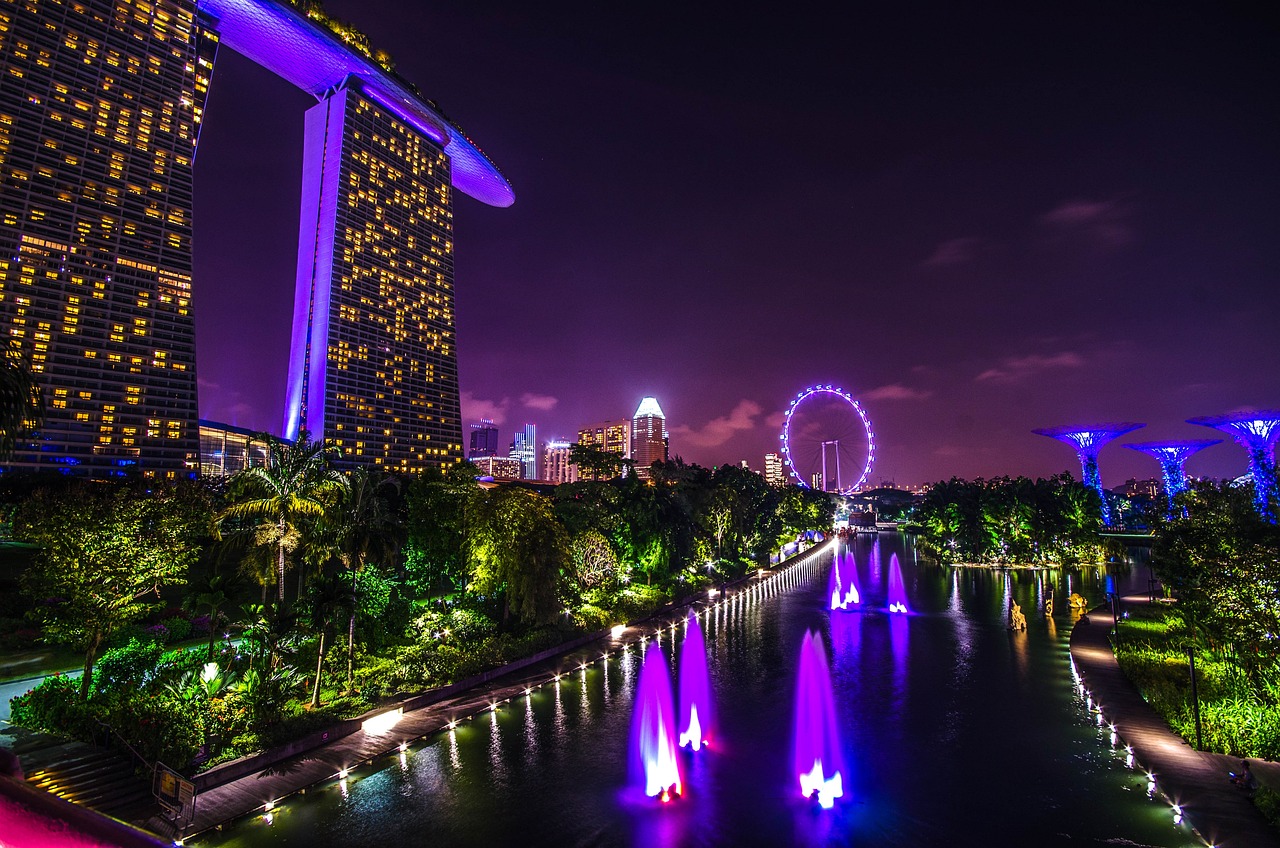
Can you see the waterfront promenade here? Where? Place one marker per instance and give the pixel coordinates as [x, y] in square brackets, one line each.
[1195, 780]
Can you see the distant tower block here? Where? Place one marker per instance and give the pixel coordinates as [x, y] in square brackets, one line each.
[1087, 441]
[1172, 456]
[1256, 432]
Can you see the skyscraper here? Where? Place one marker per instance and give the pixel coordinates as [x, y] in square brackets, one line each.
[648, 436]
[524, 448]
[100, 111]
[555, 463]
[773, 474]
[614, 436]
[484, 439]
[374, 367]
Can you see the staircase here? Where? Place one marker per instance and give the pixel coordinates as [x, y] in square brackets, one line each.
[98, 778]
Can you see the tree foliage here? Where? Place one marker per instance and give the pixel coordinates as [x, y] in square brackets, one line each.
[21, 405]
[516, 547]
[104, 550]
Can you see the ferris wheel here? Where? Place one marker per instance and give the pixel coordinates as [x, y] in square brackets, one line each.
[827, 440]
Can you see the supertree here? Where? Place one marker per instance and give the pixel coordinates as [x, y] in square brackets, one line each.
[1256, 432]
[1172, 456]
[1087, 441]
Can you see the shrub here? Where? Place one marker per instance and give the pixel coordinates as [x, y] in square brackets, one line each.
[53, 707]
[1267, 801]
[126, 667]
[179, 628]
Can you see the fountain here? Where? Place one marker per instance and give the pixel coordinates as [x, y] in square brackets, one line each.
[816, 757]
[897, 589]
[695, 688]
[842, 594]
[655, 768]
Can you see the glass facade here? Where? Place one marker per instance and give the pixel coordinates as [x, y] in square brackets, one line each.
[226, 450]
[100, 108]
[374, 367]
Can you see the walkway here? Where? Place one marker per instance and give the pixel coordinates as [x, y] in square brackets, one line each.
[260, 793]
[1197, 781]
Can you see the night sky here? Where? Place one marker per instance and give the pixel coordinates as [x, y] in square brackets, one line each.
[979, 220]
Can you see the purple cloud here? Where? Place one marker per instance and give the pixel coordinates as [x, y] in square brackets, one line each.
[895, 391]
[474, 408]
[1104, 223]
[719, 430]
[956, 251]
[1017, 368]
[543, 403]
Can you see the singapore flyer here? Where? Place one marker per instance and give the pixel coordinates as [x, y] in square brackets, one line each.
[827, 440]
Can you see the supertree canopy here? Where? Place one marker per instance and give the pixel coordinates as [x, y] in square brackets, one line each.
[1087, 441]
[1256, 432]
[1172, 457]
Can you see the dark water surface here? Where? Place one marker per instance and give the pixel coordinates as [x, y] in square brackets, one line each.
[957, 732]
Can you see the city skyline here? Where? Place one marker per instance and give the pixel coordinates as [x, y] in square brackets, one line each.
[1003, 220]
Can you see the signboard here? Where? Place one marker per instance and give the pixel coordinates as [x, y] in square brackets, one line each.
[172, 790]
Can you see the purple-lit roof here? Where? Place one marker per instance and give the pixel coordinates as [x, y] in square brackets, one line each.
[1090, 436]
[1177, 450]
[280, 39]
[1261, 426]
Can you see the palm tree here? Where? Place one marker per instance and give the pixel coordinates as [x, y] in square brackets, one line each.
[331, 595]
[20, 403]
[292, 492]
[369, 531]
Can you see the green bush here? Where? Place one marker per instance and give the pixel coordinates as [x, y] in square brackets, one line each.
[127, 667]
[53, 707]
[179, 628]
[1267, 801]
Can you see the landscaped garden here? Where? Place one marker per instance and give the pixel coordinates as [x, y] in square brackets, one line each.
[214, 621]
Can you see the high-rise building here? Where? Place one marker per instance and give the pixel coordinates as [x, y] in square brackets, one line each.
[773, 474]
[499, 467]
[648, 436]
[484, 439]
[374, 367]
[524, 448]
[556, 467]
[614, 436]
[100, 111]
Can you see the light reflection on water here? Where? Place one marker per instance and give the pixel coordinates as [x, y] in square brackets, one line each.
[956, 731]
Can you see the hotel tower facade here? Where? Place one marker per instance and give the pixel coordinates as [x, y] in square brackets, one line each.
[100, 109]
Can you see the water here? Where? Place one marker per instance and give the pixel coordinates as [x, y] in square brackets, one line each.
[955, 732]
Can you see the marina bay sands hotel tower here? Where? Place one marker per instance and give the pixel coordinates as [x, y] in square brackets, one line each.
[101, 103]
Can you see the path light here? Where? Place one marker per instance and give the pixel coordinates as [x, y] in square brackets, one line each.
[527, 691]
[618, 630]
[342, 774]
[404, 746]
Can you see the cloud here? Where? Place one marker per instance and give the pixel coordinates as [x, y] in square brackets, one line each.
[1017, 368]
[543, 403]
[717, 431]
[894, 391]
[775, 420]
[474, 408]
[1104, 223]
[956, 251]
[202, 383]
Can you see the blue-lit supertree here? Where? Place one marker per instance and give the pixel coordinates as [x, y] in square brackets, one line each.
[1256, 432]
[1088, 441]
[1172, 457]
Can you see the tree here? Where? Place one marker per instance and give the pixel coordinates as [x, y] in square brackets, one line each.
[331, 597]
[103, 550]
[436, 524]
[20, 401]
[515, 546]
[368, 531]
[596, 463]
[290, 493]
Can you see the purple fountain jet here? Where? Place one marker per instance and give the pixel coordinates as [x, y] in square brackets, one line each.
[816, 758]
[655, 768]
[696, 717]
[897, 588]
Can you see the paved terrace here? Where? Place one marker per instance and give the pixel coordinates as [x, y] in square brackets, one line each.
[1195, 780]
[260, 792]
